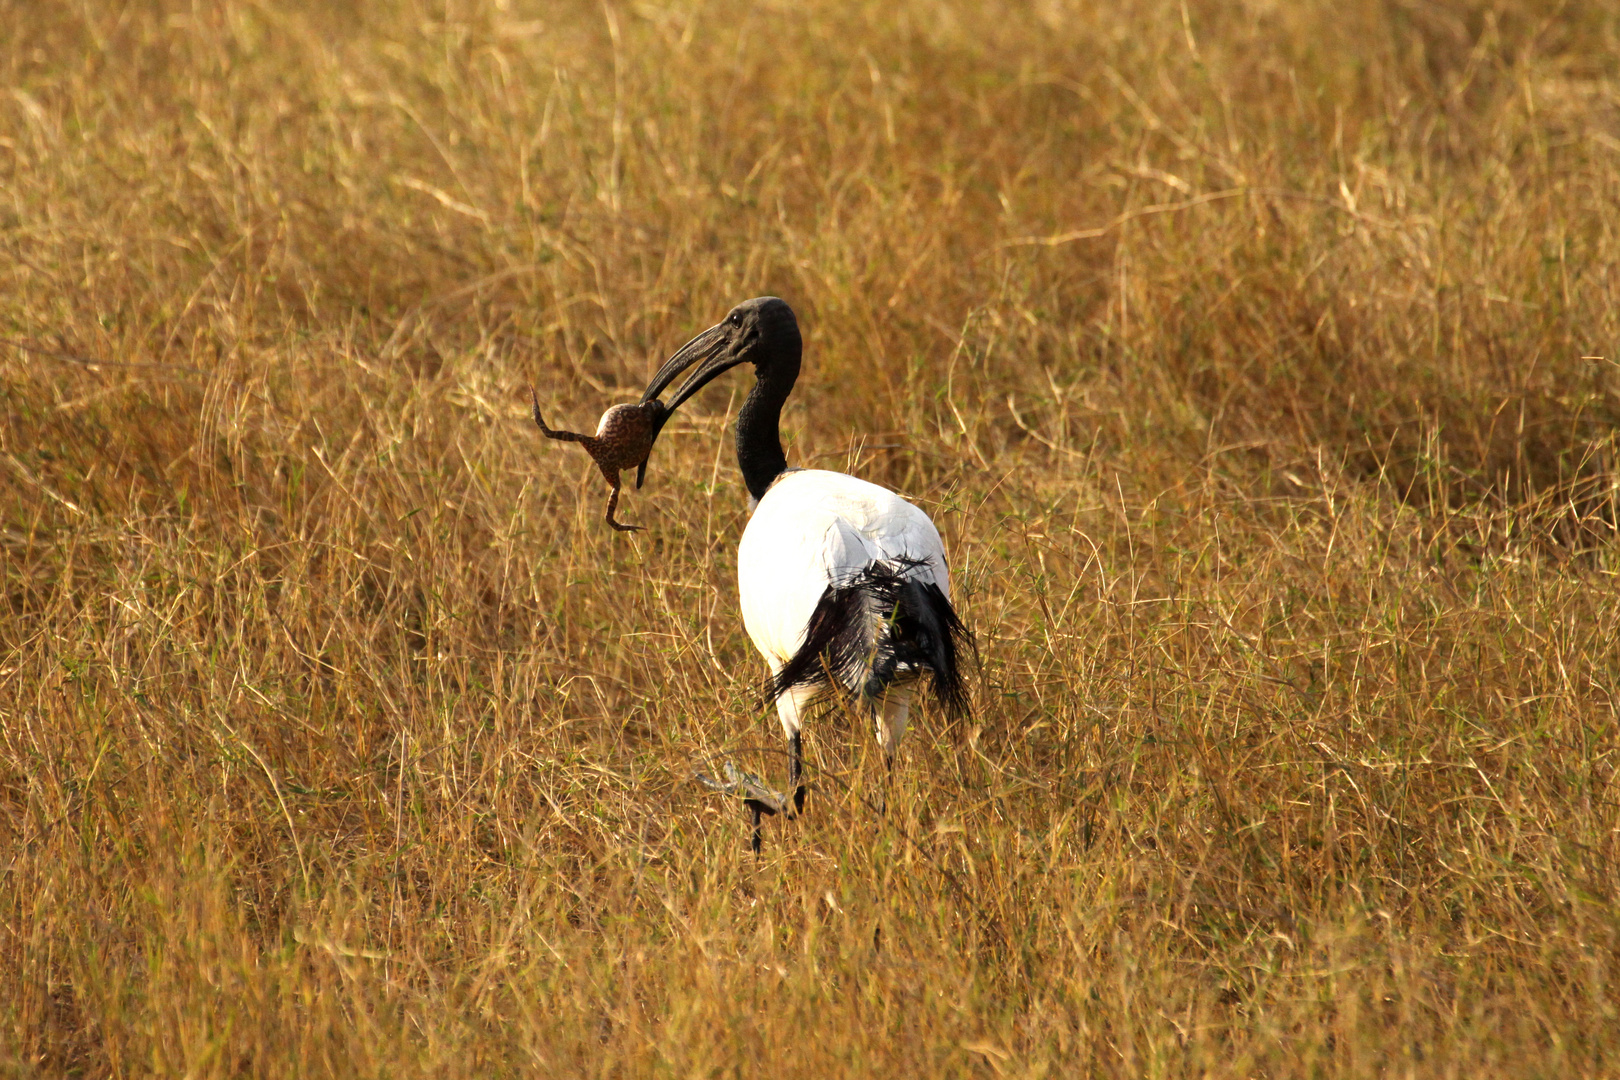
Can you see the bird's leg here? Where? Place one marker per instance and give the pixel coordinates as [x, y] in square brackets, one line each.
[613, 500]
[887, 782]
[760, 800]
[796, 771]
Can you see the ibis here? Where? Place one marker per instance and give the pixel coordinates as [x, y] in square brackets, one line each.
[845, 588]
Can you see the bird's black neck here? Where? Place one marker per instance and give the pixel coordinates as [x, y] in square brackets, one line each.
[759, 427]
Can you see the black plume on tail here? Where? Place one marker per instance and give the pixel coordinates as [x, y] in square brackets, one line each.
[878, 627]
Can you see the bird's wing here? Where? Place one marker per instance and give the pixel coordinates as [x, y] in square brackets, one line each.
[892, 528]
[816, 528]
[888, 526]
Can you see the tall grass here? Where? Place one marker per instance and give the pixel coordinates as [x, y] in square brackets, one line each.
[1258, 362]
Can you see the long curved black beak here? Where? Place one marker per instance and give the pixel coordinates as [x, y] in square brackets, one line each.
[708, 350]
[703, 347]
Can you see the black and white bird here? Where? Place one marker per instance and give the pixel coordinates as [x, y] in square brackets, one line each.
[841, 580]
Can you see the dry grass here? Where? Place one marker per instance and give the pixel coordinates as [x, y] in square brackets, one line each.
[1243, 351]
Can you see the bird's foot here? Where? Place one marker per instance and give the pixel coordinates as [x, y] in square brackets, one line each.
[754, 792]
[623, 527]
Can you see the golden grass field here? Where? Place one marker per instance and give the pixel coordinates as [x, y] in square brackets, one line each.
[1259, 361]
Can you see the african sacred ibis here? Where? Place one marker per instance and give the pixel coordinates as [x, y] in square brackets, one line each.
[839, 577]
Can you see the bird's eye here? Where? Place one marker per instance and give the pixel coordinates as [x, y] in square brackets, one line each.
[736, 318]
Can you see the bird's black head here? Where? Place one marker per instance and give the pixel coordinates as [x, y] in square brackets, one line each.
[761, 331]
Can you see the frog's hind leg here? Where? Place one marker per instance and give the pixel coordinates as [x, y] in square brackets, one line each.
[552, 433]
[613, 502]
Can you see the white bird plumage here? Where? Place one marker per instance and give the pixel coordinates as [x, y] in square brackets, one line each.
[827, 527]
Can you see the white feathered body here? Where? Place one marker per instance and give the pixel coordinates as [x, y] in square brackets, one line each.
[812, 529]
